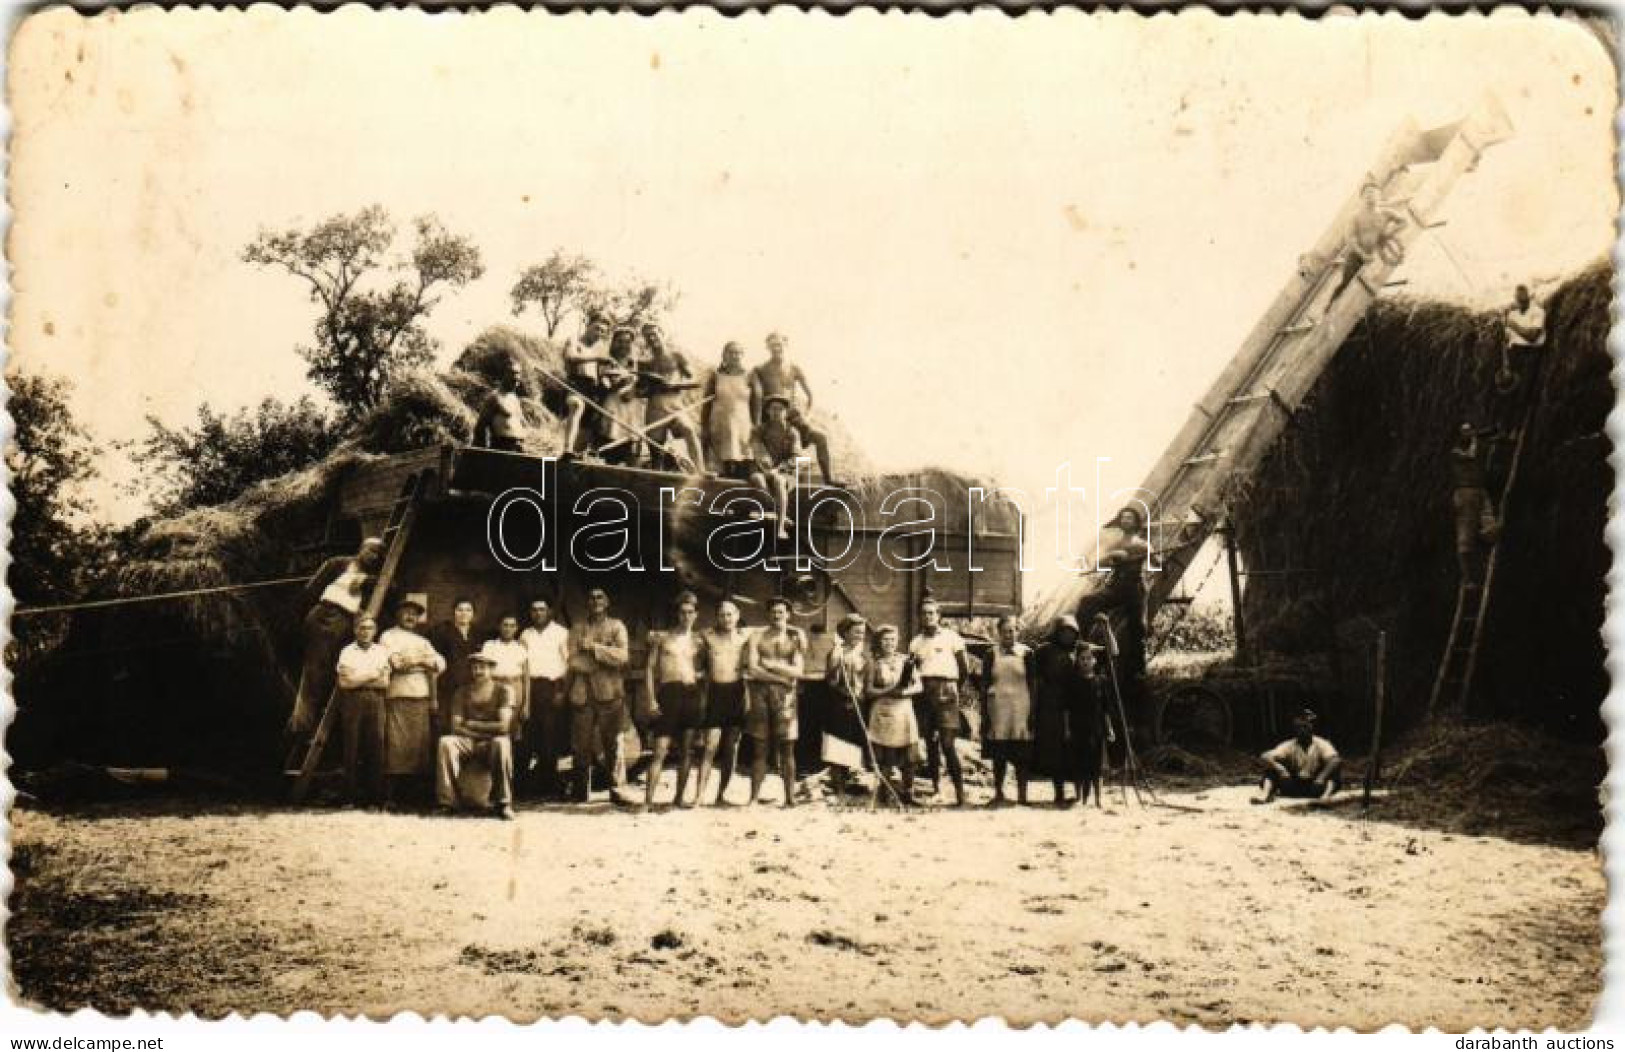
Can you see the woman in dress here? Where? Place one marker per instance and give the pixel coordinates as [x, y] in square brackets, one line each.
[725, 416]
[892, 728]
[847, 674]
[1058, 685]
[1007, 686]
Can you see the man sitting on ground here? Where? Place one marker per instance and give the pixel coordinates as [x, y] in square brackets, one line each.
[1304, 767]
[481, 729]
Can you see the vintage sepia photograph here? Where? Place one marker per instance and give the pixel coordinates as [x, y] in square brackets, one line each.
[1066, 516]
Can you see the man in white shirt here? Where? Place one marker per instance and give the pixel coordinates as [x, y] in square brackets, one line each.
[410, 698]
[333, 597]
[1524, 327]
[547, 730]
[1303, 767]
[942, 666]
[363, 676]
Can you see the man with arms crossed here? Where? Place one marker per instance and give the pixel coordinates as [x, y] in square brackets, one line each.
[481, 729]
[943, 667]
[774, 660]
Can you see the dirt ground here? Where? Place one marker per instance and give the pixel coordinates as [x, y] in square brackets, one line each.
[1212, 912]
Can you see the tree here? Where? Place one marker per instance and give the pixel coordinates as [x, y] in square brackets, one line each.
[632, 302]
[555, 287]
[50, 458]
[220, 456]
[363, 336]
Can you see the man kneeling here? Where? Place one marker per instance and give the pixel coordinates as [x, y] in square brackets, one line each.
[481, 725]
[1302, 767]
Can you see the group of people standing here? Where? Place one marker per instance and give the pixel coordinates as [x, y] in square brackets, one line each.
[414, 702]
[627, 398]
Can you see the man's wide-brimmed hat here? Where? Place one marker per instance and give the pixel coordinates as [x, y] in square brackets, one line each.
[417, 599]
[770, 399]
[480, 657]
[1066, 621]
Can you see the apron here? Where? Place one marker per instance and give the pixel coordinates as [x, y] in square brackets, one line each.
[729, 431]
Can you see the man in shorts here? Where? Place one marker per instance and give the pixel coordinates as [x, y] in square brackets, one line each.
[1305, 766]
[781, 378]
[583, 364]
[1476, 526]
[774, 660]
[1371, 234]
[941, 662]
[669, 385]
[724, 652]
[673, 678]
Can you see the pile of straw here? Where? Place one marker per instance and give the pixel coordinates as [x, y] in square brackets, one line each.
[1358, 494]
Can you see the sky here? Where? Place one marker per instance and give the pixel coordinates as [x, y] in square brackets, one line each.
[997, 244]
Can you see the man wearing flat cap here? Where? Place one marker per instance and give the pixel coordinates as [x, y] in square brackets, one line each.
[1305, 766]
[481, 729]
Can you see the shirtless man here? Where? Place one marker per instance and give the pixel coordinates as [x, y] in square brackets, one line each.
[583, 362]
[667, 383]
[673, 681]
[619, 376]
[724, 650]
[774, 660]
[782, 378]
[1373, 226]
[501, 423]
[775, 446]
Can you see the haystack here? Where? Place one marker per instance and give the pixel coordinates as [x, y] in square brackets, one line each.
[206, 679]
[1356, 496]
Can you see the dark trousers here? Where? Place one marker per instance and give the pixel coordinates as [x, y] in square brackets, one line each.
[361, 723]
[327, 629]
[1125, 603]
[545, 737]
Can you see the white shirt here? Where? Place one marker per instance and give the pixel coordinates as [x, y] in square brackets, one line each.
[367, 667]
[412, 647]
[549, 650]
[512, 658]
[345, 591]
[936, 656]
[1533, 318]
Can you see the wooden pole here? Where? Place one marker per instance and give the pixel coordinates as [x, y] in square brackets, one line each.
[1376, 724]
[1228, 532]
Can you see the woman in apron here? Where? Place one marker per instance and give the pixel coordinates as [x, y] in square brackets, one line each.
[726, 416]
[1007, 737]
[848, 677]
[892, 727]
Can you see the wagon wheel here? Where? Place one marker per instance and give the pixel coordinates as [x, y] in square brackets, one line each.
[808, 593]
[1194, 718]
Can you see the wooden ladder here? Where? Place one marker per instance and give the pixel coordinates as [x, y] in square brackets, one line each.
[1460, 660]
[395, 537]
